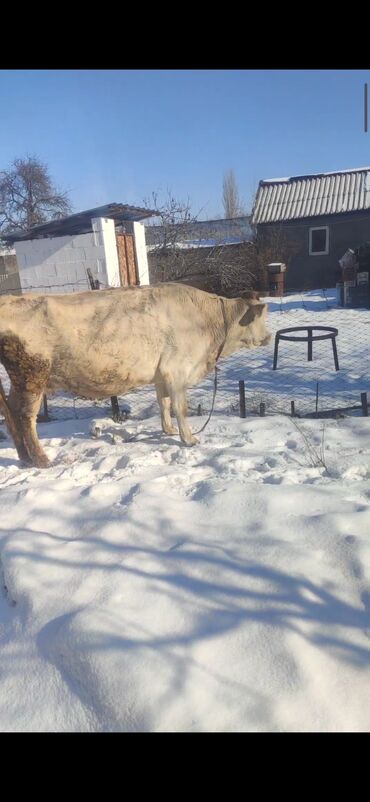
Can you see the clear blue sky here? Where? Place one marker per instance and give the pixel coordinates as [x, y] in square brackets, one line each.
[117, 135]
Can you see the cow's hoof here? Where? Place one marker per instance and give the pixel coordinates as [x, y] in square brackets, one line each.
[192, 441]
[170, 430]
[26, 462]
[41, 462]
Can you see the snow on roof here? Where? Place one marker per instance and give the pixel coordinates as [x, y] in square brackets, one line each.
[313, 175]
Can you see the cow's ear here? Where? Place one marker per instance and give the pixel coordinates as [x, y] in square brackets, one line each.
[255, 310]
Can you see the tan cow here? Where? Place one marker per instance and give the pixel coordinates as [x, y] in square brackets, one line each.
[99, 344]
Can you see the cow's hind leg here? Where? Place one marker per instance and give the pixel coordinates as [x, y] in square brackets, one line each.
[28, 374]
[164, 402]
[20, 446]
[25, 406]
[14, 430]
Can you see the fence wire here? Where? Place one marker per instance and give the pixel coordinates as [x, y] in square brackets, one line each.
[313, 386]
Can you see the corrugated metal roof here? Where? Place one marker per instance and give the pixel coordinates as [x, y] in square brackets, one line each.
[312, 195]
[80, 223]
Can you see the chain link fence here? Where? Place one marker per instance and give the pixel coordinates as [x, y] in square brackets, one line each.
[314, 387]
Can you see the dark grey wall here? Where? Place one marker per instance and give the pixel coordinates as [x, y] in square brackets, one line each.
[314, 272]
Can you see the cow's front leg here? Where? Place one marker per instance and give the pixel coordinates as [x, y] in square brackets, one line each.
[164, 402]
[180, 408]
[25, 406]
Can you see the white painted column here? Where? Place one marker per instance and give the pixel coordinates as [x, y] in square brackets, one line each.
[141, 254]
[105, 235]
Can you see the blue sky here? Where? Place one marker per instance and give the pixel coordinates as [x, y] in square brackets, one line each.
[117, 135]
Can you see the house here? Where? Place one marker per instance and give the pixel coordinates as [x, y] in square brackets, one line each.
[106, 243]
[317, 218]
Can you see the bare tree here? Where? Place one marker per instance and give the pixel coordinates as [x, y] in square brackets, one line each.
[232, 204]
[172, 221]
[28, 196]
[166, 237]
[240, 268]
[177, 251]
[271, 244]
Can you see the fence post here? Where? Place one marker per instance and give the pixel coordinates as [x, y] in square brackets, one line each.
[115, 408]
[365, 408]
[43, 417]
[317, 399]
[45, 404]
[242, 399]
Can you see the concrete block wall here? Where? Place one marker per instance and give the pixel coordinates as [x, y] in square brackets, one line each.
[58, 264]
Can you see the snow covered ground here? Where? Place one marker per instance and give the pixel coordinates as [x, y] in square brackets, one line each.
[146, 586]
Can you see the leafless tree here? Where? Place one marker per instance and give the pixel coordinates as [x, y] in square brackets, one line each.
[239, 268]
[232, 204]
[176, 252]
[166, 234]
[271, 245]
[28, 196]
[172, 222]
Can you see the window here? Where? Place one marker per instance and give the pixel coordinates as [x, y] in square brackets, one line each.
[318, 241]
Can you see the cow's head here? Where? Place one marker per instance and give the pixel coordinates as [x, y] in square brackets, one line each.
[248, 327]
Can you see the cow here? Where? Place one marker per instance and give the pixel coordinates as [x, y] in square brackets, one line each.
[101, 344]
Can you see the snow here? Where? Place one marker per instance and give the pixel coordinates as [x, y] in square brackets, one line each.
[313, 175]
[210, 242]
[207, 242]
[274, 180]
[148, 586]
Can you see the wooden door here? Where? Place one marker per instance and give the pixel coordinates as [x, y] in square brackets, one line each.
[127, 259]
